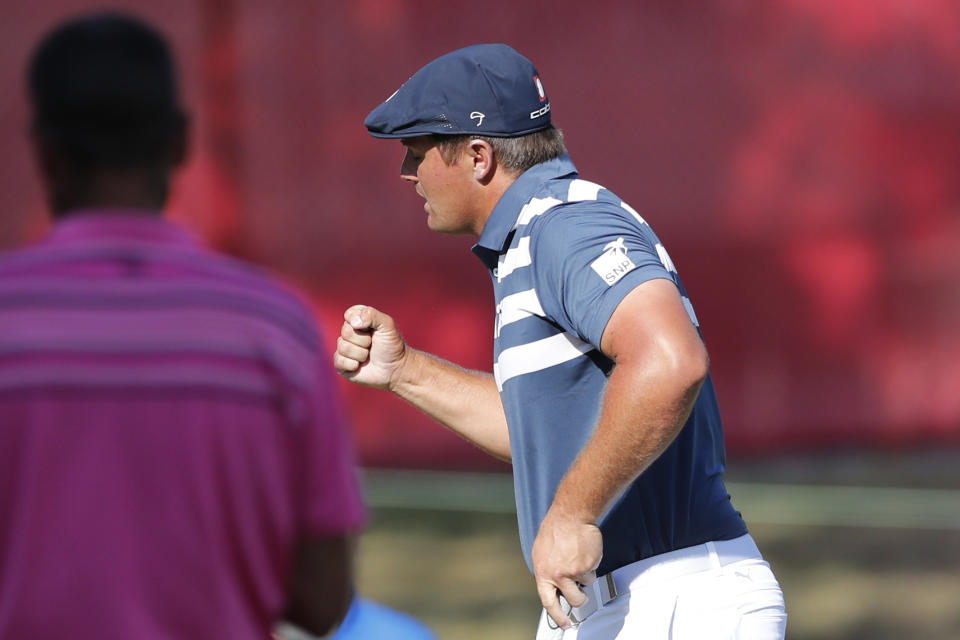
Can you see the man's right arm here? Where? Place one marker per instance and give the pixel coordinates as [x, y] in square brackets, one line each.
[321, 587]
[371, 352]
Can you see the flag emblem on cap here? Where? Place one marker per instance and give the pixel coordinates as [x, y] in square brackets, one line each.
[543, 94]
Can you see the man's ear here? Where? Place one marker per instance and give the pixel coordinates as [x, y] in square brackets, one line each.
[484, 161]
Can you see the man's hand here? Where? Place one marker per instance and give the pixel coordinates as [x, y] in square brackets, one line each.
[370, 350]
[567, 551]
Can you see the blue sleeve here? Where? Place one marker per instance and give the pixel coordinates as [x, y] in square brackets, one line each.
[586, 258]
[367, 619]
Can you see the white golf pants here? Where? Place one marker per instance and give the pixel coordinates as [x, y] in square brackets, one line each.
[716, 591]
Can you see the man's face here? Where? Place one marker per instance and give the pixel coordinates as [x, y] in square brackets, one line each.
[447, 188]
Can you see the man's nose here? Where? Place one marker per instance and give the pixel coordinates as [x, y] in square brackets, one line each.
[408, 168]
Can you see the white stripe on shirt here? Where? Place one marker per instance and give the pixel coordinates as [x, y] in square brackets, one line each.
[633, 212]
[689, 307]
[534, 208]
[514, 259]
[665, 258]
[537, 356]
[516, 307]
[519, 306]
[581, 190]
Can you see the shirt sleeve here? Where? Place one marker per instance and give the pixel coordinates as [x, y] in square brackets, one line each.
[586, 258]
[331, 496]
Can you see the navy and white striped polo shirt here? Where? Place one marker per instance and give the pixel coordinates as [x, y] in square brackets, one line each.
[563, 252]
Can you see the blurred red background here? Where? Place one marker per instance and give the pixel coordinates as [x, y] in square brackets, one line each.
[799, 158]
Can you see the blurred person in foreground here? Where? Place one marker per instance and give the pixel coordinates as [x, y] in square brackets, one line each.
[172, 459]
[600, 395]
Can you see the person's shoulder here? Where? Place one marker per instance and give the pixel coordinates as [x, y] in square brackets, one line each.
[23, 260]
[581, 206]
[576, 194]
[257, 282]
[573, 189]
[571, 218]
[258, 277]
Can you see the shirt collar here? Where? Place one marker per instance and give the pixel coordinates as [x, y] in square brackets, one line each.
[137, 226]
[503, 218]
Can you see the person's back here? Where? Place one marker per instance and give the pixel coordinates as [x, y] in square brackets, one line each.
[171, 456]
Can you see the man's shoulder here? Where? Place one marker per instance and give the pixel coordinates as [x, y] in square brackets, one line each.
[573, 188]
[563, 200]
[119, 274]
[576, 208]
[253, 287]
[220, 267]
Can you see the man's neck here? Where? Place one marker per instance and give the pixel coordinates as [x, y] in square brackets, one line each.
[129, 190]
[493, 191]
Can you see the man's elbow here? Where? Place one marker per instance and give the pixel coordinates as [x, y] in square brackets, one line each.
[689, 368]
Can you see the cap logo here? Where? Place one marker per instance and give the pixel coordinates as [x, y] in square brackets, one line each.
[543, 94]
[542, 111]
[475, 115]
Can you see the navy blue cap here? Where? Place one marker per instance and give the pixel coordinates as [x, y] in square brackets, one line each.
[485, 89]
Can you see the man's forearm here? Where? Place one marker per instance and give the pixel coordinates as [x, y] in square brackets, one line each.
[466, 402]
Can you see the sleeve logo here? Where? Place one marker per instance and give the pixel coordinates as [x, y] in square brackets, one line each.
[614, 263]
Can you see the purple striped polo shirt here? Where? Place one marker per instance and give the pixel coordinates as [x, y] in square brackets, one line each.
[169, 431]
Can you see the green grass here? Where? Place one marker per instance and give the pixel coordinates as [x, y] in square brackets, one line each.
[858, 561]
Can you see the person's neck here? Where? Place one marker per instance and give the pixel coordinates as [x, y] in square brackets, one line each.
[132, 191]
[492, 193]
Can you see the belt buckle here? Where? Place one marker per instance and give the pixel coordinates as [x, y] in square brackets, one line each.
[601, 591]
[597, 595]
[611, 586]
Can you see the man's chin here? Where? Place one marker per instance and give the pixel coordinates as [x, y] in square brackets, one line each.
[435, 226]
[438, 227]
